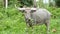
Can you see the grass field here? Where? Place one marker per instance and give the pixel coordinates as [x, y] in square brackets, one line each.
[12, 26]
[12, 22]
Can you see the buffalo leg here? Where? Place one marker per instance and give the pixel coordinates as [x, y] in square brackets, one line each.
[47, 26]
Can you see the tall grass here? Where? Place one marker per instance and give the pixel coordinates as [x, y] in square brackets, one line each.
[12, 22]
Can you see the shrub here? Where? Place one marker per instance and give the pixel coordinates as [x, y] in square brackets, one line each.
[55, 12]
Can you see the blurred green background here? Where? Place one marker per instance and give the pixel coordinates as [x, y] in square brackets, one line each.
[12, 20]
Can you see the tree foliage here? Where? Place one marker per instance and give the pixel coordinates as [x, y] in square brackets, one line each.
[11, 2]
[21, 2]
[57, 3]
[26, 2]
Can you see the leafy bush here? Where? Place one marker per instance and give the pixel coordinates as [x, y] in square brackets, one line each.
[55, 12]
[57, 3]
[12, 22]
[26, 2]
[9, 18]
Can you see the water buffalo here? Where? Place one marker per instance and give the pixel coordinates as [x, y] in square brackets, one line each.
[36, 16]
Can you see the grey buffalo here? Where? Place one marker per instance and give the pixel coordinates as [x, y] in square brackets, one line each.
[36, 16]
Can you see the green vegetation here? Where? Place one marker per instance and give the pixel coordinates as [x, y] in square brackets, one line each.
[57, 3]
[54, 11]
[26, 2]
[12, 22]
[21, 2]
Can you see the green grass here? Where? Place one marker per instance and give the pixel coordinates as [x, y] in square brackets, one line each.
[12, 22]
[9, 26]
